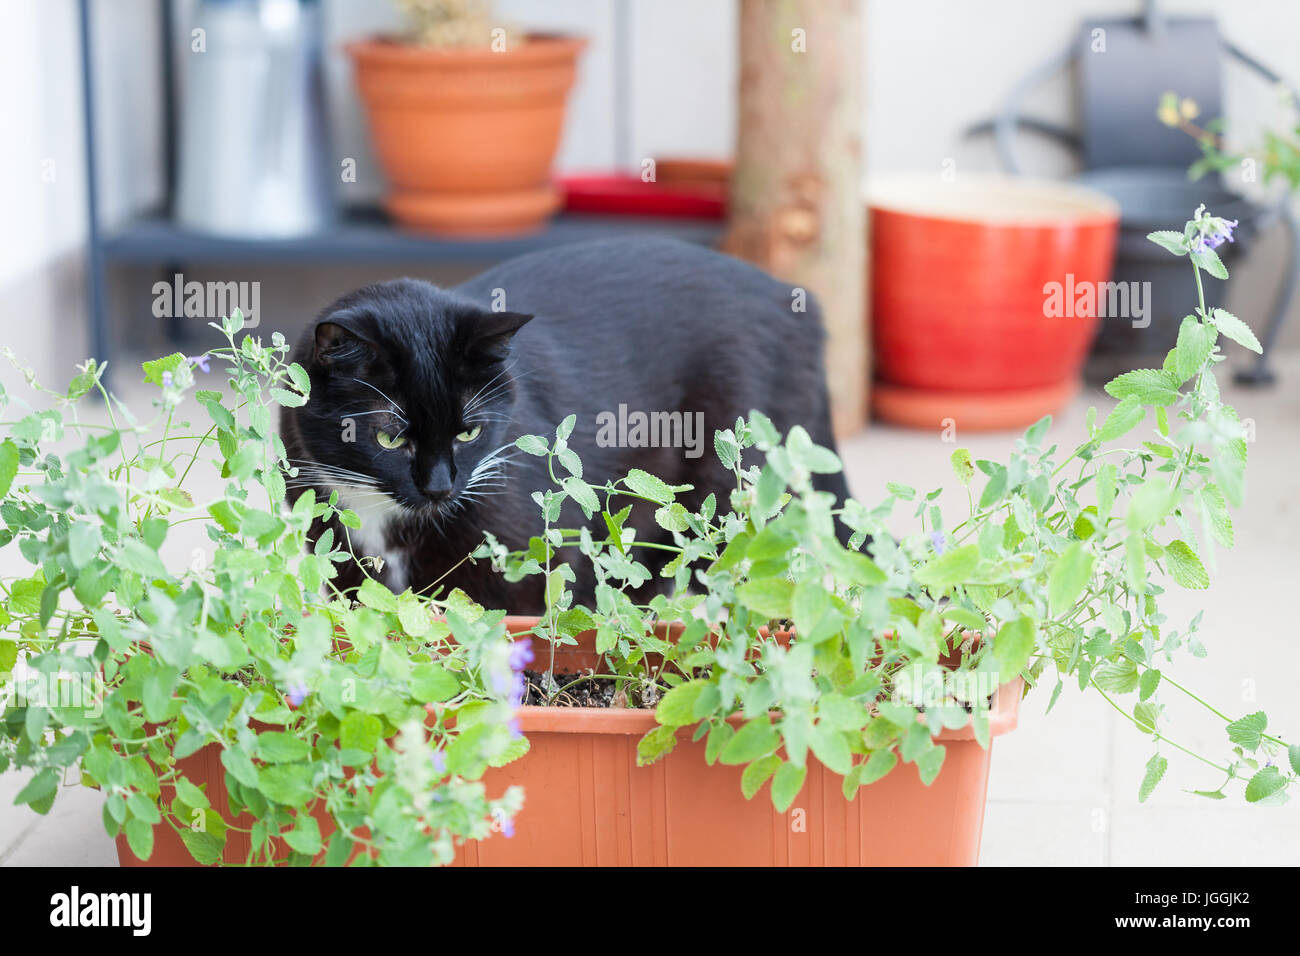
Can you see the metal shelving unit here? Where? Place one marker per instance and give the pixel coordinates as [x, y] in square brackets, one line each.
[359, 236]
[366, 236]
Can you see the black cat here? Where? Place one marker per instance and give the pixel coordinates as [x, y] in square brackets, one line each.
[418, 394]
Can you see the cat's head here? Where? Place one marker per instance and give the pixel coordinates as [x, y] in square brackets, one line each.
[411, 398]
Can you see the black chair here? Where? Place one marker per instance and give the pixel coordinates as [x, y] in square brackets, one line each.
[1123, 67]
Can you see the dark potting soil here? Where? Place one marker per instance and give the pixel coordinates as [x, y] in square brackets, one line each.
[583, 690]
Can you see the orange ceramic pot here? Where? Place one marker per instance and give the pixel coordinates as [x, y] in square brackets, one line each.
[587, 803]
[978, 304]
[467, 137]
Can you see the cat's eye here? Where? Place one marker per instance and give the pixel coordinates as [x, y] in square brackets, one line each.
[389, 441]
[470, 434]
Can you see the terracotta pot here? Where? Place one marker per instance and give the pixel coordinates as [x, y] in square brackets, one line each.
[587, 803]
[467, 137]
[964, 324]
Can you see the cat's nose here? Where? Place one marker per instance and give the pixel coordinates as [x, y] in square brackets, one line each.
[437, 493]
[437, 483]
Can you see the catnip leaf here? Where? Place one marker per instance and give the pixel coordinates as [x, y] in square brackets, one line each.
[1152, 501]
[963, 466]
[1117, 677]
[581, 492]
[1146, 385]
[1195, 343]
[1237, 330]
[786, 785]
[830, 747]
[1122, 419]
[1070, 575]
[755, 739]
[139, 836]
[644, 483]
[1012, 646]
[677, 708]
[655, 744]
[1248, 732]
[204, 846]
[1264, 784]
[757, 773]
[771, 598]
[877, 766]
[1185, 567]
[1209, 260]
[1156, 767]
[1170, 240]
[1216, 514]
[8, 465]
[375, 595]
[153, 370]
[949, 569]
[930, 763]
[1148, 683]
[1145, 714]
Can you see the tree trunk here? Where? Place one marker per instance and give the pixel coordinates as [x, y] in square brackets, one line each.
[796, 204]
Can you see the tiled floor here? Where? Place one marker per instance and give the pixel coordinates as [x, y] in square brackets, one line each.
[1064, 786]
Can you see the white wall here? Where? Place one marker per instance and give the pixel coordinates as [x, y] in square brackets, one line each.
[931, 68]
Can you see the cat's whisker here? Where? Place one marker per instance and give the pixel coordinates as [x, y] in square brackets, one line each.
[484, 399]
[474, 401]
[400, 412]
[310, 476]
[373, 411]
[323, 468]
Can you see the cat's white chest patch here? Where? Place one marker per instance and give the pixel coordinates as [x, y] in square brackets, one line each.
[377, 513]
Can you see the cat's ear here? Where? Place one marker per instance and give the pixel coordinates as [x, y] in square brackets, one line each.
[340, 339]
[491, 333]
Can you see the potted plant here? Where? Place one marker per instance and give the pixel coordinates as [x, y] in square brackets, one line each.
[230, 706]
[911, 652]
[241, 709]
[466, 116]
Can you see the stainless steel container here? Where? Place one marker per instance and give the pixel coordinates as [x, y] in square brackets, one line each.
[254, 156]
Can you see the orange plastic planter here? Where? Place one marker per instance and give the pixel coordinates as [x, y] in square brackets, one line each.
[961, 323]
[467, 137]
[587, 803]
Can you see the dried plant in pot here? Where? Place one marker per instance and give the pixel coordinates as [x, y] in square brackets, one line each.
[466, 116]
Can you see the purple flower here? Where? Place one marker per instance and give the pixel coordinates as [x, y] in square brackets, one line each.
[508, 827]
[518, 690]
[515, 731]
[167, 379]
[1211, 231]
[200, 360]
[521, 654]
[297, 694]
[439, 761]
[939, 541]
